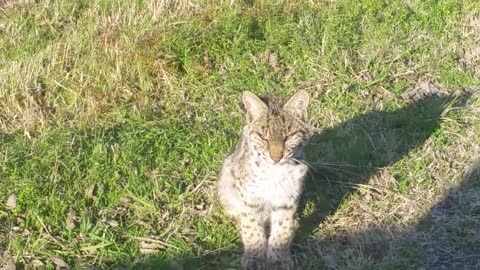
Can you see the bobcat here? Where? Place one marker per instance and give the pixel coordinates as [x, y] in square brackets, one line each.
[262, 178]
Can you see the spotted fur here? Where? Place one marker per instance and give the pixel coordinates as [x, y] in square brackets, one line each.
[261, 180]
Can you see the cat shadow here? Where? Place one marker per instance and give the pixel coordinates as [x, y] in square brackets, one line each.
[349, 154]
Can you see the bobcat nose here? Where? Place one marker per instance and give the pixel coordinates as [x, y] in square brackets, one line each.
[275, 159]
[275, 149]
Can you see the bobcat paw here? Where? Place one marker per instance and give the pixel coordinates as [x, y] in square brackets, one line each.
[253, 263]
[280, 263]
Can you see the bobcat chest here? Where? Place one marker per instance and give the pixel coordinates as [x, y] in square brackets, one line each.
[277, 185]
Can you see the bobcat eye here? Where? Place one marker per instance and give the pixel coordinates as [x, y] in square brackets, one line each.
[293, 135]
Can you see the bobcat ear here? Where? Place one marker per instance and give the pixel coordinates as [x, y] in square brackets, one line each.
[298, 104]
[253, 105]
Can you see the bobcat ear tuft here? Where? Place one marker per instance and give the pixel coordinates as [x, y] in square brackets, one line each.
[253, 105]
[298, 104]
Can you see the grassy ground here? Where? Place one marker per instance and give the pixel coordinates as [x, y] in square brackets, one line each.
[115, 116]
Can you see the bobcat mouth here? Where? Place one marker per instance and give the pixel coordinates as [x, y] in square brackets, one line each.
[276, 159]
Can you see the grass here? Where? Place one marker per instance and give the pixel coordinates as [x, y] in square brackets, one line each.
[115, 116]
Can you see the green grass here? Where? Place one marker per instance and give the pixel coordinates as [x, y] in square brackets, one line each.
[120, 112]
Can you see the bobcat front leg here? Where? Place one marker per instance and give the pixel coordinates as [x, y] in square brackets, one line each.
[281, 236]
[254, 238]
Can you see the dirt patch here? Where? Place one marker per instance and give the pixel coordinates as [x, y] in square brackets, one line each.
[428, 86]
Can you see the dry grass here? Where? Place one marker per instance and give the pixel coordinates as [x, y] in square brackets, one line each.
[115, 116]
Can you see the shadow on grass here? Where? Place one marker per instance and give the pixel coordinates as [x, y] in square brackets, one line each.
[342, 157]
[447, 237]
[5, 138]
[451, 230]
[352, 152]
